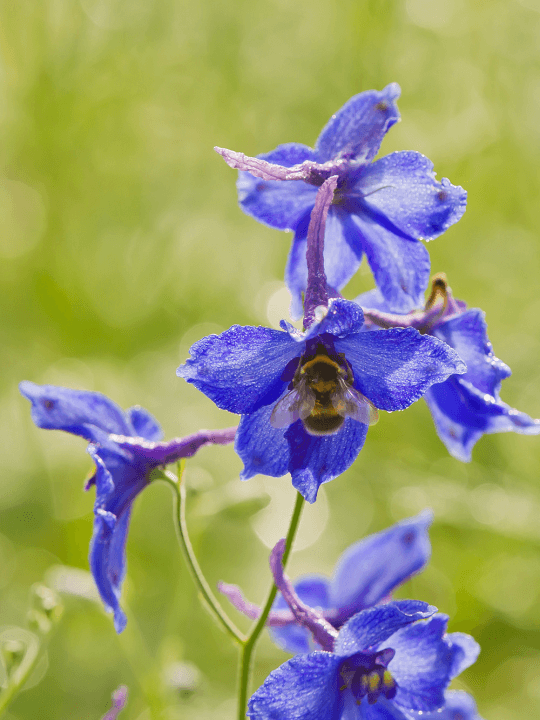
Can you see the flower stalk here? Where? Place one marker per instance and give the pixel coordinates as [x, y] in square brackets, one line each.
[19, 675]
[179, 489]
[246, 652]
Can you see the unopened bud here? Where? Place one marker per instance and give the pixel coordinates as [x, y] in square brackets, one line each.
[13, 652]
[38, 622]
[183, 677]
[46, 602]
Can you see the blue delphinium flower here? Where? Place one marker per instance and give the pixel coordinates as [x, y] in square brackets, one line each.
[390, 662]
[366, 574]
[125, 448]
[306, 399]
[467, 406]
[380, 208]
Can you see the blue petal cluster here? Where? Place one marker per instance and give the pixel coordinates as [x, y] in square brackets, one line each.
[247, 370]
[380, 208]
[366, 574]
[121, 472]
[467, 406]
[390, 662]
[125, 447]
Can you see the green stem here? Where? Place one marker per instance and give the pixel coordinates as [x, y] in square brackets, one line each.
[17, 680]
[249, 645]
[194, 568]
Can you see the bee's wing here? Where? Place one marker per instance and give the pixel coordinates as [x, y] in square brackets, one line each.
[295, 405]
[348, 402]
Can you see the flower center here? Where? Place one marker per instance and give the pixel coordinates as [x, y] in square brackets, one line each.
[367, 675]
[319, 380]
[323, 395]
[317, 175]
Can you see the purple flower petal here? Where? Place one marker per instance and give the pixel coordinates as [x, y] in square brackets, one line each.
[382, 710]
[241, 369]
[458, 437]
[372, 300]
[462, 414]
[381, 209]
[372, 627]
[261, 447]
[107, 549]
[123, 467]
[303, 688]
[395, 367]
[118, 482]
[400, 266]
[459, 705]
[372, 568]
[279, 204]
[315, 460]
[467, 334]
[342, 319]
[76, 411]
[425, 661]
[144, 424]
[343, 250]
[402, 186]
[465, 408]
[356, 131]
[507, 419]
[466, 651]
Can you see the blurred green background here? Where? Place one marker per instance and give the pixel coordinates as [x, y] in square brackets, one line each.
[121, 243]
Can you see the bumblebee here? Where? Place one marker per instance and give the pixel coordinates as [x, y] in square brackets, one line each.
[323, 396]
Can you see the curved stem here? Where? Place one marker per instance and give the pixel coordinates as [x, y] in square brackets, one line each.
[249, 645]
[17, 680]
[187, 549]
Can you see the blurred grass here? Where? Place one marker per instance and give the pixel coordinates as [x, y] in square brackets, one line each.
[121, 243]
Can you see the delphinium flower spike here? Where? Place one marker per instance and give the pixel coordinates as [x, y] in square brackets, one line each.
[306, 399]
[381, 208]
[125, 447]
[366, 574]
[467, 406]
[389, 662]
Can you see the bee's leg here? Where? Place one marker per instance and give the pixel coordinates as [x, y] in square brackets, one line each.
[350, 376]
[298, 371]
